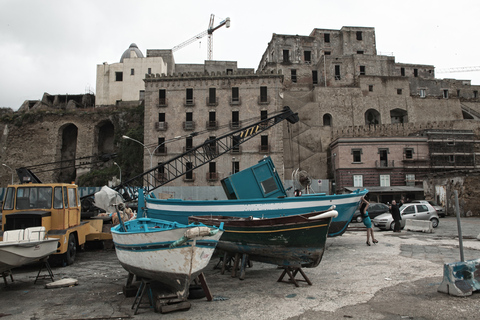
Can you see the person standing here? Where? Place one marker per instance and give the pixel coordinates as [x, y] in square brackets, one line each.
[395, 211]
[367, 221]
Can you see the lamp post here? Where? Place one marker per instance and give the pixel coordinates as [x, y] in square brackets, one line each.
[10, 170]
[120, 169]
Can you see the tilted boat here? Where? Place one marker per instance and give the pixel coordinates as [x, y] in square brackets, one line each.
[23, 246]
[171, 253]
[291, 241]
[258, 192]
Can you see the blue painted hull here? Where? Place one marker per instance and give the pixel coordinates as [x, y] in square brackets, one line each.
[179, 210]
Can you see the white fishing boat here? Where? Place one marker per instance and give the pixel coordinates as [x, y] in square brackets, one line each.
[171, 253]
[23, 246]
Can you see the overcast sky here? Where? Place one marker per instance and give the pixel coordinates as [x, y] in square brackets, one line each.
[54, 46]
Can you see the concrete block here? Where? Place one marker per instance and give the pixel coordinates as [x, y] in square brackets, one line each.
[461, 278]
[419, 225]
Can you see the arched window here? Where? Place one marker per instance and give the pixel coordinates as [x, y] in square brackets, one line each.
[398, 116]
[372, 117]
[327, 119]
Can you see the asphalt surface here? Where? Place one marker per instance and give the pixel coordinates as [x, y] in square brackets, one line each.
[395, 279]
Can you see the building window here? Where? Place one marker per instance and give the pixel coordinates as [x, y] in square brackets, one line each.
[327, 53]
[212, 96]
[415, 72]
[235, 144]
[188, 143]
[359, 35]
[263, 114]
[358, 180]
[235, 119]
[399, 91]
[370, 87]
[235, 94]
[383, 152]
[229, 71]
[327, 120]
[475, 94]
[118, 76]
[307, 56]
[132, 72]
[451, 158]
[410, 180]
[212, 120]
[357, 155]
[162, 97]
[362, 70]
[326, 37]
[314, 76]
[293, 74]
[337, 72]
[161, 145]
[458, 93]
[409, 153]
[161, 117]
[212, 171]
[384, 180]
[360, 52]
[189, 96]
[263, 94]
[445, 94]
[188, 169]
[286, 56]
[264, 144]
[402, 72]
[235, 167]
[423, 93]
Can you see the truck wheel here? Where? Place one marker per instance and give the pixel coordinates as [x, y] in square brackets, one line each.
[71, 250]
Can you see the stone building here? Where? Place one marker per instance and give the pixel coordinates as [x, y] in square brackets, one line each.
[210, 100]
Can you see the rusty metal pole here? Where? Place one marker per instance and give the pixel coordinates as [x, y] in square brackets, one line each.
[459, 227]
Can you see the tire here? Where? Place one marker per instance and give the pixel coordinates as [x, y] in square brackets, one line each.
[359, 219]
[71, 250]
[392, 225]
[196, 292]
[434, 222]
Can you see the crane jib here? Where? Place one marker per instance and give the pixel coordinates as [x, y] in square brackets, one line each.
[249, 132]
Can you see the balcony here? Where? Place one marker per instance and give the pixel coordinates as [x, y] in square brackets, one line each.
[264, 148]
[189, 177]
[211, 102]
[189, 102]
[384, 164]
[212, 176]
[212, 125]
[236, 150]
[235, 101]
[161, 126]
[235, 124]
[161, 151]
[189, 125]
[162, 103]
[263, 100]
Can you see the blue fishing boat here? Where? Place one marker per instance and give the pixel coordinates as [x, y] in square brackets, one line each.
[255, 192]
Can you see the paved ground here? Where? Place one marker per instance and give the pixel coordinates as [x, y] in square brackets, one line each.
[395, 279]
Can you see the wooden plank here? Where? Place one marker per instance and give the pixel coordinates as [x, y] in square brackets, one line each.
[206, 289]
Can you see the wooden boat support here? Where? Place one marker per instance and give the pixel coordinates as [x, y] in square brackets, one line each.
[292, 273]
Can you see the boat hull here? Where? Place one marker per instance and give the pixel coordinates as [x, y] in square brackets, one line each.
[297, 240]
[179, 210]
[16, 254]
[153, 255]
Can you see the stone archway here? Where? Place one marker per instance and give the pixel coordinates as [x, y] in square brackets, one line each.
[105, 134]
[398, 116]
[68, 151]
[372, 117]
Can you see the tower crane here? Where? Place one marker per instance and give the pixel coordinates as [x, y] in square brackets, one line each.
[209, 31]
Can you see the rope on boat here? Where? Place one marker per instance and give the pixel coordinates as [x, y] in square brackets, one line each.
[195, 232]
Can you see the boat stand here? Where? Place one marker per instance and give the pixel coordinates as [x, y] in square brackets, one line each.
[292, 272]
[144, 288]
[49, 270]
[5, 274]
[229, 259]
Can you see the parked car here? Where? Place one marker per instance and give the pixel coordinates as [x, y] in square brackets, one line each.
[418, 211]
[440, 209]
[374, 210]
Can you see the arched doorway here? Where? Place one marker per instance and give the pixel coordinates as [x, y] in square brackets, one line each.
[105, 137]
[372, 117]
[68, 151]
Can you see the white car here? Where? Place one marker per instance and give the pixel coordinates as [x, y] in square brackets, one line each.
[419, 211]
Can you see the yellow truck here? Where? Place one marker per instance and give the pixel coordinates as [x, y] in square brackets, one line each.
[55, 206]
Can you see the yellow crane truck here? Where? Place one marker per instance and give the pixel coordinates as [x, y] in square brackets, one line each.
[55, 206]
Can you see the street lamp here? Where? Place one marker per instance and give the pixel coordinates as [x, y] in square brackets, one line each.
[120, 171]
[3, 164]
